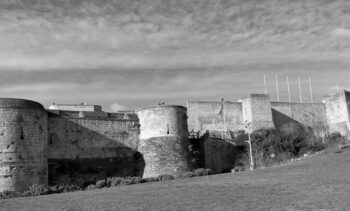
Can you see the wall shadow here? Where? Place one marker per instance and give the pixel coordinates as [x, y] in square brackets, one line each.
[289, 125]
[103, 157]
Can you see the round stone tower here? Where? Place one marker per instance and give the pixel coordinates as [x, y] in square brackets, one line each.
[164, 140]
[23, 144]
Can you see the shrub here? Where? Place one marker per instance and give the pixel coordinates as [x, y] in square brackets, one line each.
[62, 188]
[195, 173]
[272, 146]
[114, 181]
[187, 174]
[9, 194]
[149, 179]
[101, 184]
[90, 187]
[165, 177]
[37, 190]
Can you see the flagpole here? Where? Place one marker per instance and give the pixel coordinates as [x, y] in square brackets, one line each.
[278, 94]
[265, 84]
[290, 99]
[223, 118]
[301, 98]
[312, 100]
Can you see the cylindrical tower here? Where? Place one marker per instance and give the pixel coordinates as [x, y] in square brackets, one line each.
[23, 144]
[164, 140]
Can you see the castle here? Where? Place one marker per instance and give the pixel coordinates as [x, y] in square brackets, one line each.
[81, 143]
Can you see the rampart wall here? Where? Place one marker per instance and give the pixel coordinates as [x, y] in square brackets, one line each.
[293, 117]
[164, 140]
[82, 150]
[337, 112]
[220, 155]
[83, 144]
[257, 112]
[206, 116]
[23, 144]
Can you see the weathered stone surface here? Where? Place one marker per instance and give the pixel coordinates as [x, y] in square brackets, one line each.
[165, 155]
[164, 140]
[337, 110]
[294, 117]
[204, 116]
[257, 112]
[23, 144]
[82, 150]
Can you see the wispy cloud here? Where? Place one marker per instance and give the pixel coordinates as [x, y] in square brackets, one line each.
[139, 52]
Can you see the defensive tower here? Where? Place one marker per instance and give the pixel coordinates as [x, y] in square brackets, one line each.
[23, 144]
[164, 139]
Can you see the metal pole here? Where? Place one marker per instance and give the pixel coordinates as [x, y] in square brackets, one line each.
[265, 84]
[312, 98]
[301, 98]
[278, 94]
[224, 118]
[290, 99]
[250, 152]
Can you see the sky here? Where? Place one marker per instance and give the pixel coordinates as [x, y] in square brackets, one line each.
[128, 54]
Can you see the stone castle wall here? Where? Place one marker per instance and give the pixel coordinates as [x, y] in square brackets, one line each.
[81, 146]
[23, 144]
[293, 117]
[206, 116]
[83, 150]
[257, 112]
[337, 112]
[164, 140]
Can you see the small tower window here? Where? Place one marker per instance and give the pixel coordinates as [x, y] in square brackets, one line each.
[22, 134]
[167, 131]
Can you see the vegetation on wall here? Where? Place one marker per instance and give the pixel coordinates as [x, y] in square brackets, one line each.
[37, 190]
[272, 146]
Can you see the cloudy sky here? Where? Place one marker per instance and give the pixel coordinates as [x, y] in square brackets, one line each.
[135, 53]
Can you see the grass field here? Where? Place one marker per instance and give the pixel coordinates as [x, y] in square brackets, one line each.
[318, 183]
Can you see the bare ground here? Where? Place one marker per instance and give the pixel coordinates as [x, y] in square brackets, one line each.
[318, 183]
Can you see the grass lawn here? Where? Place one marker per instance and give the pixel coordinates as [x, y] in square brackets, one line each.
[318, 183]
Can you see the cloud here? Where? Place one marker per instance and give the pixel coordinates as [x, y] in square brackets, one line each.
[341, 32]
[115, 107]
[63, 34]
[140, 52]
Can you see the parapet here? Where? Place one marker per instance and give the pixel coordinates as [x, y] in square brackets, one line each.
[19, 103]
[75, 107]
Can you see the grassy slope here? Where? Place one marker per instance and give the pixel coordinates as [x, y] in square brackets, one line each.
[317, 183]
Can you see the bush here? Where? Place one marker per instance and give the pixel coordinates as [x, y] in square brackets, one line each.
[187, 174]
[101, 184]
[62, 188]
[195, 173]
[37, 190]
[114, 181]
[149, 179]
[165, 177]
[202, 172]
[272, 146]
[9, 194]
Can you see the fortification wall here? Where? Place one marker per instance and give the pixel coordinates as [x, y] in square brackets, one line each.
[23, 144]
[164, 140]
[337, 111]
[204, 116]
[257, 111]
[82, 150]
[293, 117]
[220, 155]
